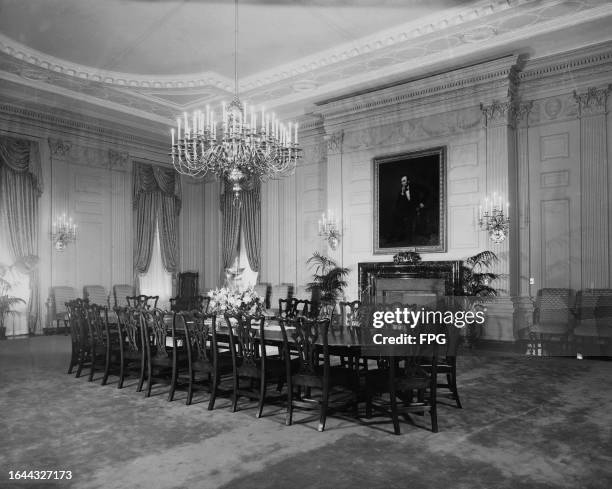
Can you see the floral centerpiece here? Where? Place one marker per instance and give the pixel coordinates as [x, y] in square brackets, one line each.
[232, 300]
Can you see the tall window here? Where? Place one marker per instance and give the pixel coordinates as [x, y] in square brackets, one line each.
[157, 281]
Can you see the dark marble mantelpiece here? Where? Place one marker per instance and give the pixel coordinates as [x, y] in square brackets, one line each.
[371, 274]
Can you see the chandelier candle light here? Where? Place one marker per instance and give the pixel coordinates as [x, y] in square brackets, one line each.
[244, 145]
[328, 229]
[63, 231]
[493, 219]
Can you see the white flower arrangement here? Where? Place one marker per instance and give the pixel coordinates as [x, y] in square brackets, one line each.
[232, 300]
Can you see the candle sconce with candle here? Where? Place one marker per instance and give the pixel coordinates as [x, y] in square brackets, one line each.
[63, 231]
[493, 219]
[329, 229]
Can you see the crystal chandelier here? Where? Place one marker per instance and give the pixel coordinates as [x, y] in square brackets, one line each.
[493, 219]
[243, 146]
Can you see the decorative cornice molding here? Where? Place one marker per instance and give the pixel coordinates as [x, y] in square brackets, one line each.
[499, 72]
[562, 64]
[593, 101]
[118, 160]
[59, 148]
[78, 126]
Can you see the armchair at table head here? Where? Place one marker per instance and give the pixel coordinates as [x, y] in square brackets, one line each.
[120, 294]
[56, 307]
[96, 294]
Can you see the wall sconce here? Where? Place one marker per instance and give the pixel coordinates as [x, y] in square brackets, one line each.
[492, 218]
[63, 231]
[329, 230]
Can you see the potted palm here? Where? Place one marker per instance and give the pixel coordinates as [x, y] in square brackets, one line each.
[476, 278]
[328, 279]
[6, 305]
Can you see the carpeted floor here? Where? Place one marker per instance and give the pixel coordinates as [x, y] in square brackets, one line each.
[527, 423]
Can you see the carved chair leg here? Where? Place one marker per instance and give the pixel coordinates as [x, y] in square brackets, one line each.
[262, 394]
[324, 402]
[213, 392]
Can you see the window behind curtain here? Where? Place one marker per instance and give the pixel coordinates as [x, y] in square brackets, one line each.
[157, 281]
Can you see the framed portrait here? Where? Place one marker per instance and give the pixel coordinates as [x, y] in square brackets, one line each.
[409, 202]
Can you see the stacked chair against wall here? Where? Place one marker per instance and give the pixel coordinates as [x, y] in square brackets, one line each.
[120, 294]
[553, 321]
[593, 332]
[56, 309]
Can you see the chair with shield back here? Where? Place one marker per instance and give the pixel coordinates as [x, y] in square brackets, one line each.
[131, 345]
[250, 360]
[205, 363]
[263, 291]
[310, 370]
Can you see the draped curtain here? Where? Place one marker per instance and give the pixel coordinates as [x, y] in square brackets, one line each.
[248, 215]
[157, 201]
[20, 188]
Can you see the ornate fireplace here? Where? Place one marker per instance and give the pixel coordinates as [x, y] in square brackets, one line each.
[409, 283]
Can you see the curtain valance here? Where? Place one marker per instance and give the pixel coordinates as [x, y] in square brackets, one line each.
[151, 178]
[22, 156]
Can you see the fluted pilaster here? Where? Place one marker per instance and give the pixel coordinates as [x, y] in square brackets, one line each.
[595, 217]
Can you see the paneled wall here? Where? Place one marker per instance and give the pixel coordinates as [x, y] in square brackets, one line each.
[87, 174]
[538, 132]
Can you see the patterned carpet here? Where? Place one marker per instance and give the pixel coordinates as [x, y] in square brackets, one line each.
[527, 423]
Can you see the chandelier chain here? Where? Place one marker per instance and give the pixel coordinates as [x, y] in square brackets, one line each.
[242, 147]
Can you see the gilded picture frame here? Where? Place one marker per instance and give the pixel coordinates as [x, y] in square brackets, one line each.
[410, 202]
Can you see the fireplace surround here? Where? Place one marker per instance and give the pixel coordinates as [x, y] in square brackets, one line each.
[421, 283]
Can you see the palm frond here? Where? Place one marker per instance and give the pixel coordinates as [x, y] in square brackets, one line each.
[484, 259]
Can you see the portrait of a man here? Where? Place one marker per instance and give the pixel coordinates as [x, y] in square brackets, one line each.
[409, 202]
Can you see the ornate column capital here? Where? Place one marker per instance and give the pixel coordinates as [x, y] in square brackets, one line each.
[59, 148]
[593, 101]
[334, 142]
[118, 160]
[521, 113]
[499, 113]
